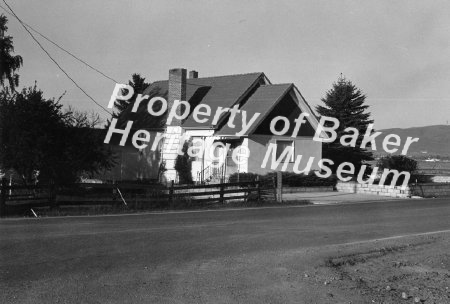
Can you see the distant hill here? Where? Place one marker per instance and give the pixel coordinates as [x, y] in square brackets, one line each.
[435, 140]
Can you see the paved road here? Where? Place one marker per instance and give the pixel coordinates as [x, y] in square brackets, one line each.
[334, 197]
[193, 257]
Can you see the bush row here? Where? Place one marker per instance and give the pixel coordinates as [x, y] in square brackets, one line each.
[289, 179]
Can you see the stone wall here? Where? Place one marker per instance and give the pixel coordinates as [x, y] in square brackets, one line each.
[384, 190]
[422, 190]
[441, 179]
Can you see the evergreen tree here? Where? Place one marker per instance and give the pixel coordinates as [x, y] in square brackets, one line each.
[138, 83]
[345, 102]
[8, 62]
[142, 119]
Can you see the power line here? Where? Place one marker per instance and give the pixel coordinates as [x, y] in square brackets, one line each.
[74, 56]
[48, 54]
[63, 49]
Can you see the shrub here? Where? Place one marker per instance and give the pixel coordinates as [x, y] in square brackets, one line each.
[242, 177]
[397, 162]
[400, 163]
[291, 179]
[183, 165]
[421, 179]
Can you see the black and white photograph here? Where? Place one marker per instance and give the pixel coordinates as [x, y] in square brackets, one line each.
[206, 151]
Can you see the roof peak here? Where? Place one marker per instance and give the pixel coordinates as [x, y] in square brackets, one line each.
[277, 84]
[241, 74]
[220, 76]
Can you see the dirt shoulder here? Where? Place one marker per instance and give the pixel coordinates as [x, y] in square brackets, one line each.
[404, 270]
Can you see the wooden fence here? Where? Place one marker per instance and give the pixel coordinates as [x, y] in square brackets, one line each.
[15, 199]
[434, 171]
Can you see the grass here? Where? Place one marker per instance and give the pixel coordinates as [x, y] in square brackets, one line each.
[146, 207]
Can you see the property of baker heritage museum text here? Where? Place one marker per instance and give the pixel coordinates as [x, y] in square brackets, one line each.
[277, 156]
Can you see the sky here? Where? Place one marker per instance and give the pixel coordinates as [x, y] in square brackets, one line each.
[396, 52]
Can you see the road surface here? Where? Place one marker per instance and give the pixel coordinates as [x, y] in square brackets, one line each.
[222, 256]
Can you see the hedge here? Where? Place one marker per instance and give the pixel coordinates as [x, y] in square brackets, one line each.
[290, 179]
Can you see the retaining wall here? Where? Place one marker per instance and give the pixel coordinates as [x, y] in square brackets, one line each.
[384, 190]
[423, 190]
[440, 179]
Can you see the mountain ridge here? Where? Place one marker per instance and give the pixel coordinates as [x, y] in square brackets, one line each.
[433, 140]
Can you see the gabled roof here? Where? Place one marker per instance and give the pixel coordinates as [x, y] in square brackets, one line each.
[262, 101]
[252, 91]
[219, 91]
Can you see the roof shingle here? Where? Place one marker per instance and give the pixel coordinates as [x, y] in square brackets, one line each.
[219, 91]
[262, 101]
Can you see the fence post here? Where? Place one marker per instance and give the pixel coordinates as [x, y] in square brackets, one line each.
[171, 192]
[279, 187]
[3, 186]
[222, 189]
[258, 188]
[274, 185]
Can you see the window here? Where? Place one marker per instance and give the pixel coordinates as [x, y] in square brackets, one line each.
[285, 144]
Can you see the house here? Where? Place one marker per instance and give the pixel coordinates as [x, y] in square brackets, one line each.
[252, 93]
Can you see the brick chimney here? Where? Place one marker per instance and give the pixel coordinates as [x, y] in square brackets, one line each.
[193, 74]
[177, 90]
